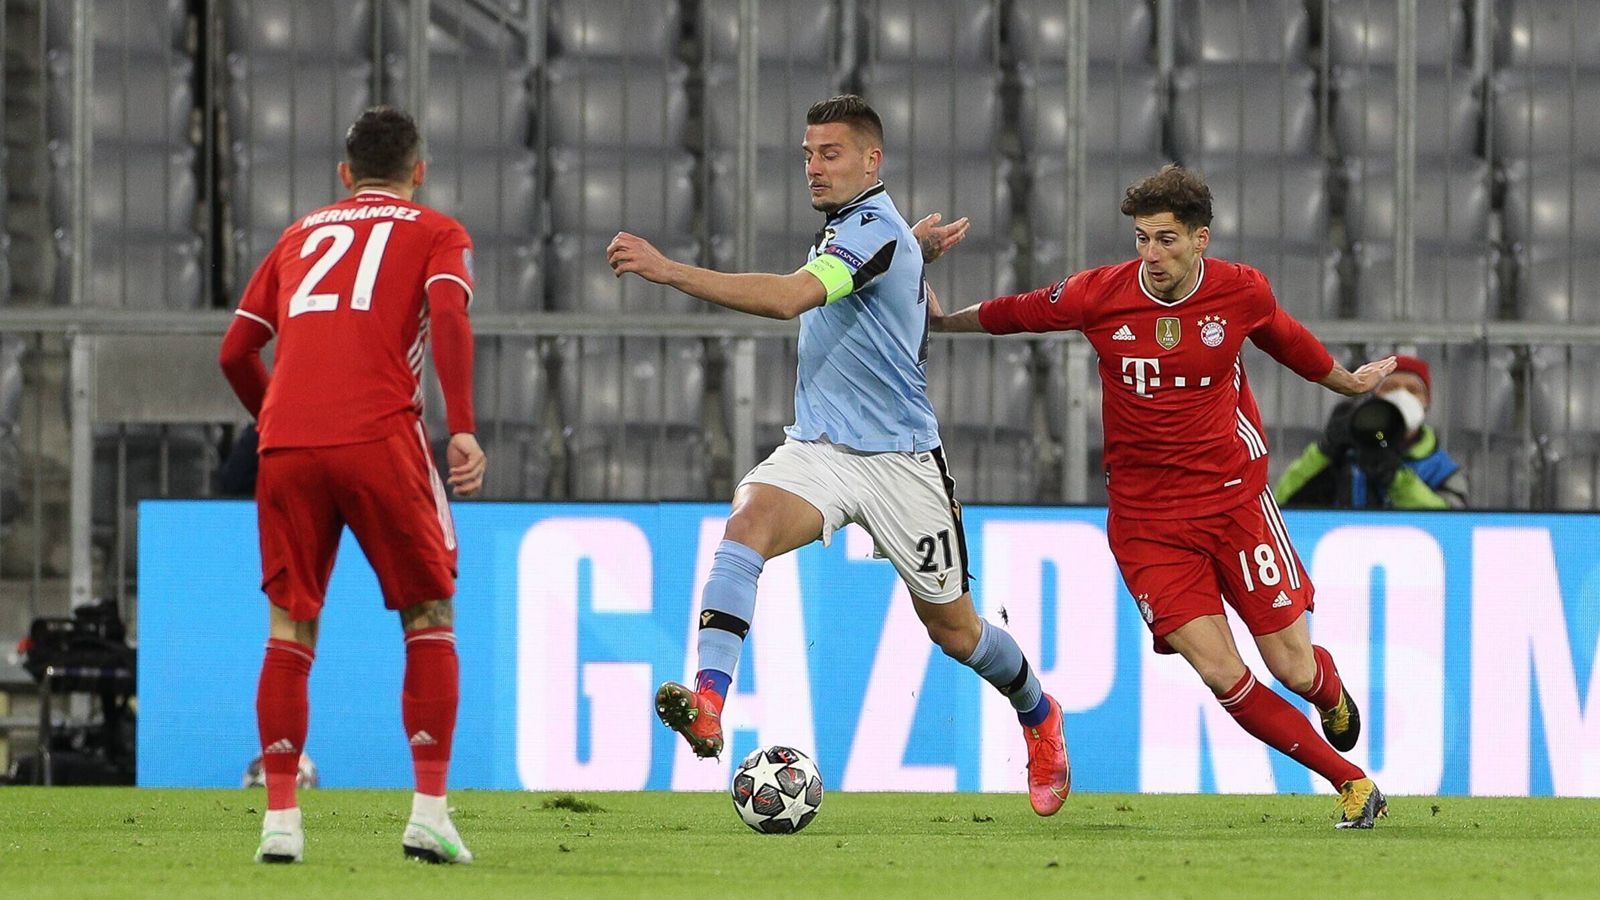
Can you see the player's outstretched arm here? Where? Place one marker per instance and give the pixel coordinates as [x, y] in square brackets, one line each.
[1362, 381]
[936, 240]
[757, 293]
[961, 320]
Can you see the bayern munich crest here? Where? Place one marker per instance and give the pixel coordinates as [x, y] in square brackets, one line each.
[1213, 330]
[1145, 610]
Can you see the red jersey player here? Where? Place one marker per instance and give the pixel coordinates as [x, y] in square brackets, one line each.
[352, 292]
[1192, 522]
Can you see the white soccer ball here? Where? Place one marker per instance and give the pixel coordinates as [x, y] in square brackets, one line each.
[306, 776]
[777, 790]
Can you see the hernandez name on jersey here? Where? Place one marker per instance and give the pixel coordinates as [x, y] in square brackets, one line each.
[1183, 435]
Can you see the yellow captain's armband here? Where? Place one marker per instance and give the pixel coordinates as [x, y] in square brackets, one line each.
[836, 277]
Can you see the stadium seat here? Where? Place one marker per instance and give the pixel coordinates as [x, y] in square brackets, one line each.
[1304, 277]
[1118, 30]
[1451, 282]
[631, 410]
[1556, 34]
[144, 271]
[793, 33]
[1258, 110]
[493, 192]
[581, 280]
[639, 29]
[984, 399]
[781, 205]
[1446, 122]
[1108, 233]
[509, 276]
[977, 187]
[600, 190]
[784, 92]
[1539, 201]
[1360, 33]
[936, 109]
[1285, 200]
[140, 27]
[1554, 282]
[511, 388]
[1545, 113]
[306, 32]
[1451, 201]
[276, 101]
[1123, 108]
[950, 31]
[477, 103]
[160, 88]
[594, 104]
[139, 188]
[1242, 31]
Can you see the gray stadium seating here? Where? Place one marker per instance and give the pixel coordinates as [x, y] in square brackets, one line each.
[1451, 201]
[1452, 282]
[512, 389]
[1108, 233]
[1123, 107]
[1242, 31]
[652, 194]
[984, 399]
[962, 32]
[637, 29]
[580, 280]
[1257, 110]
[1118, 30]
[631, 409]
[1361, 33]
[1544, 202]
[602, 104]
[1555, 281]
[805, 35]
[1447, 121]
[1544, 113]
[1287, 201]
[1554, 34]
[933, 109]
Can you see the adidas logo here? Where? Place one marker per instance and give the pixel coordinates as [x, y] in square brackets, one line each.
[1123, 334]
[422, 739]
[281, 745]
[1282, 601]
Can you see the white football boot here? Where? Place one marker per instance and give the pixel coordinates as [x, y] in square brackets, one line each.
[430, 835]
[283, 840]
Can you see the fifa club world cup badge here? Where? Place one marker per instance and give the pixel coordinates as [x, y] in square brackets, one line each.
[1212, 330]
[1168, 331]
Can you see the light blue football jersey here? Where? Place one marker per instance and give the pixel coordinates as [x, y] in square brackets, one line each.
[861, 381]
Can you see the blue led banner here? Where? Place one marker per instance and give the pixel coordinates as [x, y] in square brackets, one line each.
[1469, 641]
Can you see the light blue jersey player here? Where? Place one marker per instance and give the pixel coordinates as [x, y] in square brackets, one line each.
[864, 446]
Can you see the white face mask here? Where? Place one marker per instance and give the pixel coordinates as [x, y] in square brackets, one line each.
[1410, 407]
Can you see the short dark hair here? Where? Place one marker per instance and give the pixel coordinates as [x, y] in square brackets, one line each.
[1175, 190]
[382, 144]
[850, 109]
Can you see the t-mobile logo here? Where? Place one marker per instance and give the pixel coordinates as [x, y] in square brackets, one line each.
[1146, 373]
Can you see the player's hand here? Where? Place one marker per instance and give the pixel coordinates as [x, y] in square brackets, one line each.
[631, 253]
[467, 464]
[936, 240]
[1365, 379]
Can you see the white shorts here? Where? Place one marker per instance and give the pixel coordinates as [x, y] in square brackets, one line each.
[904, 500]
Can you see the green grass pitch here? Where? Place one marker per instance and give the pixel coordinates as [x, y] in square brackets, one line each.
[123, 842]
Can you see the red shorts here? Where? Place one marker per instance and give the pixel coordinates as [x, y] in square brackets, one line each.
[390, 495]
[1181, 569]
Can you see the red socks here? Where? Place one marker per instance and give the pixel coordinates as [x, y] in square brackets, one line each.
[1272, 721]
[428, 704]
[1326, 687]
[282, 714]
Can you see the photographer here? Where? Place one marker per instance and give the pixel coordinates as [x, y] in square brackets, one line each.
[1377, 452]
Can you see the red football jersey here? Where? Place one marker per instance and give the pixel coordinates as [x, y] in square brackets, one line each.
[1182, 433]
[345, 292]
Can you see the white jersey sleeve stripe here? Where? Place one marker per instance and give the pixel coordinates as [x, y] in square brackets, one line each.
[457, 279]
[253, 317]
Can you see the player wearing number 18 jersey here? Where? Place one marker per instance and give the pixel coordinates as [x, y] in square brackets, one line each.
[1192, 523]
[351, 293]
